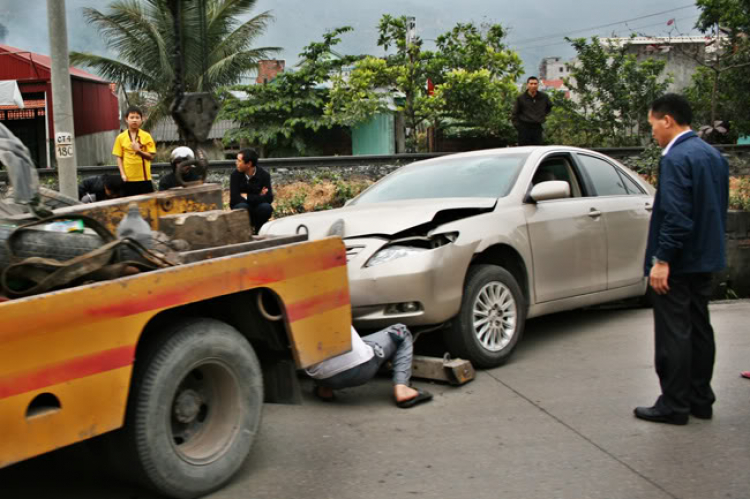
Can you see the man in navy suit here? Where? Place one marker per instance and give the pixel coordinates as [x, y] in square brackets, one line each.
[685, 246]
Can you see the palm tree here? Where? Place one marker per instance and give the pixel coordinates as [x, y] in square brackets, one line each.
[216, 47]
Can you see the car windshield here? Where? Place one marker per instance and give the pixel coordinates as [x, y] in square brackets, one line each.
[467, 177]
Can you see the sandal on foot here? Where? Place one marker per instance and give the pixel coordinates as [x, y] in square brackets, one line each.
[422, 396]
[316, 392]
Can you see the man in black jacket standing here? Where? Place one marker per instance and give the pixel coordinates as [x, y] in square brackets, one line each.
[685, 245]
[250, 189]
[529, 112]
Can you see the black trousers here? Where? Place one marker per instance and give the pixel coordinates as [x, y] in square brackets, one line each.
[529, 134]
[259, 214]
[684, 341]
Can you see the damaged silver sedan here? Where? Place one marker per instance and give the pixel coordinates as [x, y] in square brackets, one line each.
[473, 244]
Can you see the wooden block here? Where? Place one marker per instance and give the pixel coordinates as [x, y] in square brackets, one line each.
[454, 371]
[208, 229]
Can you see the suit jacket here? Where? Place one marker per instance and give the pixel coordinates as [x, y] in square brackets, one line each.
[688, 223]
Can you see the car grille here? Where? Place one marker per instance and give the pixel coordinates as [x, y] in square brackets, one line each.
[352, 252]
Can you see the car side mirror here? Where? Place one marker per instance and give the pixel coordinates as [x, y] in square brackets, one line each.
[553, 189]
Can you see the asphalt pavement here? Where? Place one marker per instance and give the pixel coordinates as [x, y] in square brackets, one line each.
[556, 422]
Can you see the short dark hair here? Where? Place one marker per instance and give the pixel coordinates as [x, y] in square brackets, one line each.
[674, 105]
[531, 78]
[113, 183]
[133, 109]
[249, 156]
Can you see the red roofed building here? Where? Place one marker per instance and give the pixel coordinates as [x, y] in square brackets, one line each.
[555, 85]
[95, 108]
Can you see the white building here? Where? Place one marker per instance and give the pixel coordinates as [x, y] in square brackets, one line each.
[684, 54]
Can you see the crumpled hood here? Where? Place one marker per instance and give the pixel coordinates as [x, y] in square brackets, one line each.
[377, 219]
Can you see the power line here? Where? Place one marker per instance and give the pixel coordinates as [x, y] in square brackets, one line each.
[632, 30]
[541, 38]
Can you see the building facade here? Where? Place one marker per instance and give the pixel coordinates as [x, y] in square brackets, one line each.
[553, 68]
[95, 109]
[683, 54]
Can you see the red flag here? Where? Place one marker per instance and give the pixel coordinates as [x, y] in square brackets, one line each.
[670, 22]
[430, 87]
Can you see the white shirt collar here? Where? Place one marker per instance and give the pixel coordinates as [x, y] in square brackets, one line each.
[671, 142]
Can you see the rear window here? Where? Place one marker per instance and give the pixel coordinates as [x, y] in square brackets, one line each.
[472, 177]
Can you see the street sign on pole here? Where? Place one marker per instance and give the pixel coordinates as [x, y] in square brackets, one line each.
[62, 101]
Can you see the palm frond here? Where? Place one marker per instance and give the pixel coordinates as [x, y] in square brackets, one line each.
[132, 33]
[242, 37]
[114, 70]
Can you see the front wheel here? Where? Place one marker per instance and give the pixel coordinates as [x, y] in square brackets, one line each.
[195, 410]
[491, 319]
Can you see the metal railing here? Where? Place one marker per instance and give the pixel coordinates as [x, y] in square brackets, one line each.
[341, 161]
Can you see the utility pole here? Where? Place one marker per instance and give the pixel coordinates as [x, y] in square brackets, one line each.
[62, 102]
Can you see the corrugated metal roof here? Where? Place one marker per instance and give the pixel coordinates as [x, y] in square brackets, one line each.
[166, 130]
[45, 62]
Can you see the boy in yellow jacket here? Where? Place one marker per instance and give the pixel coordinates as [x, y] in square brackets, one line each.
[135, 149]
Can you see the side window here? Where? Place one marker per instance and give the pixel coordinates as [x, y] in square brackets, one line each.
[606, 180]
[557, 168]
[633, 188]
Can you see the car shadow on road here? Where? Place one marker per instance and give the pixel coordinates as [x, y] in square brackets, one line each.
[546, 331]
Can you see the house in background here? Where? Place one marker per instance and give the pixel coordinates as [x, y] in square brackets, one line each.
[167, 137]
[95, 109]
[683, 54]
[557, 84]
[268, 69]
[553, 68]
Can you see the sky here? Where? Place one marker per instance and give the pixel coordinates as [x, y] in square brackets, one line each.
[536, 28]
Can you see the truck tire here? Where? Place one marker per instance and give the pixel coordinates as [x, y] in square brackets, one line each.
[195, 409]
[491, 319]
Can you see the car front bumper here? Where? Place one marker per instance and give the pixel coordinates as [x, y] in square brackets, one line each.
[432, 280]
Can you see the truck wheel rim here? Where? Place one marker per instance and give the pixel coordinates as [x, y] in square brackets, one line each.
[206, 412]
[494, 316]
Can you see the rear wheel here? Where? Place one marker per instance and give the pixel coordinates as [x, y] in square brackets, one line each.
[195, 409]
[491, 320]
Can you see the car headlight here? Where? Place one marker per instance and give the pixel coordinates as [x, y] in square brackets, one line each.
[393, 253]
[415, 245]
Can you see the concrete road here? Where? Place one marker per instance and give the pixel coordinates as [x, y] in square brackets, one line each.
[554, 423]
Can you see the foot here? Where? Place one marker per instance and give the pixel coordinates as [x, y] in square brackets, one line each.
[324, 394]
[745, 374]
[402, 393]
[409, 397]
[701, 411]
[656, 415]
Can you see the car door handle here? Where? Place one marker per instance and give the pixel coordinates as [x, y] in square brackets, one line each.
[649, 207]
[594, 213]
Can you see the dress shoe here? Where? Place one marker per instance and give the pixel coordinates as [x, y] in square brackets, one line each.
[659, 416]
[702, 411]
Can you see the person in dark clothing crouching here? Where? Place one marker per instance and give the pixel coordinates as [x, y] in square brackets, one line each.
[99, 188]
[179, 154]
[250, 189]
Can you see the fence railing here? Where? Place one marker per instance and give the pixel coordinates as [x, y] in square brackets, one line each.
[342, 161]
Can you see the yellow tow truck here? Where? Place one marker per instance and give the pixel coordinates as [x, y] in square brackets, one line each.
[173, 364]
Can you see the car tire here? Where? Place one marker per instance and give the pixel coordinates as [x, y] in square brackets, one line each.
[491, 319]
[195, 409]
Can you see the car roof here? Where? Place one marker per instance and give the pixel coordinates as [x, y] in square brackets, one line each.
[512, 150]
